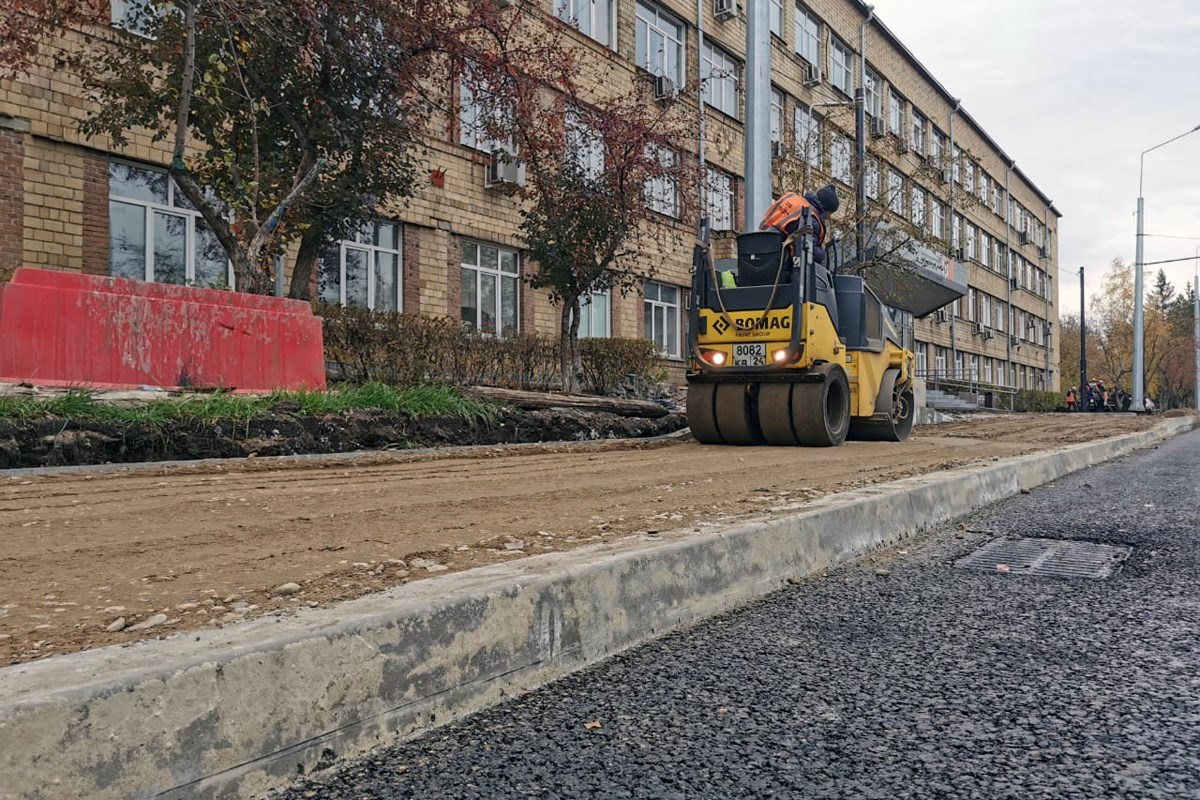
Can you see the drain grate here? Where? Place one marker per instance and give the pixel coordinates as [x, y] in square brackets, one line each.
[1048, 557]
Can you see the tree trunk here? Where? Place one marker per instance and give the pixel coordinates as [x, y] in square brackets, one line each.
[568, 325]
[306, 260]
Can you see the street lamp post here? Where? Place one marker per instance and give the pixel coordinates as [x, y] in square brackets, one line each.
[1138, 315]
[1082, 334]
[1196, 331]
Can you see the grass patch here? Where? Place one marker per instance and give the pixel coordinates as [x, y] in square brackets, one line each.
[419, 401]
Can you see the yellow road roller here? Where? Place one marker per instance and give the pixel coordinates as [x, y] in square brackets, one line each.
[790, 353]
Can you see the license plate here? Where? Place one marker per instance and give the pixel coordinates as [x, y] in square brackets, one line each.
[749, 355]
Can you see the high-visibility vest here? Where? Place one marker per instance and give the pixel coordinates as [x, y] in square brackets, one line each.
[785, 214]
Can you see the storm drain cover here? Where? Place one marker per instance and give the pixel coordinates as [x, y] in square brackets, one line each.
[1048, 557]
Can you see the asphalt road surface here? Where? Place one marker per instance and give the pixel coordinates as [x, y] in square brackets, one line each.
[928, 681]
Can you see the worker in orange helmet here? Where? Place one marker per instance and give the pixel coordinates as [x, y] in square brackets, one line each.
[785, 215]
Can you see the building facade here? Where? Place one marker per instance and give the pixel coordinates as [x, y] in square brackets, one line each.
[73, 203]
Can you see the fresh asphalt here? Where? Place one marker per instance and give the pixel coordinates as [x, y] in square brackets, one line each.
[898, 676]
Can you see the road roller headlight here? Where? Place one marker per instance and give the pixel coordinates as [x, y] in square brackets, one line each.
[780, 356]
[714, 357]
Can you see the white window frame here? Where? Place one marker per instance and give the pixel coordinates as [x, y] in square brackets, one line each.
[584, 145]
[662, 191]
[938, 217]
[841, 66]
[808, 135]
[895, 199]
[985, 249]
[671, 35]
[918, 207]
[807, 27]
[777, 106]
[588, 317]
[474, 105]
[150, 207]
[956, 223]
[584, 16]
[840, 159]
[718, 198]
[985, 310]
[373, 252]
[918, 132]
[719, 79]
[669, 318]
[479, 270]
[777, 18]
[895, 113]
[872, 93]
[972, 241]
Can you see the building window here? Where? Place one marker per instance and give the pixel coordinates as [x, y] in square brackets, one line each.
[997, 199]
[972, 241]
[720, 200]
[969, 176]
[985, 308]
[998, 255]
[956, 221]
[584, 145]
[595, 321]
[895, 113]
[490, 286]
[974, 362]
[719, 79]
[364, 271]
[480, 117]
[808, 136]
[662, 317]
[662, 191]
[985, 249]
[776, 115]
[872, 94]
[156, 235]
[134, 16]
[971, 301]
[998, 315]
[938, 214]
[594, 18]
[659, 42]
[918, 207]
[939, 147]
[777, 18]
[922, 359]
[896, 192]
[956, 158]
[987, 370]
[808, 35]
[871, 178]
[985, 182]
[841, 70]
[939, 360]
[840, 159]
[918, 133]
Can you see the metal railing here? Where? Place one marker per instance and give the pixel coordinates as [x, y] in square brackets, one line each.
[956, 381]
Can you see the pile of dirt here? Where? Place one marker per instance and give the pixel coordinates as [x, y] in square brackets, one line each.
[51, 441]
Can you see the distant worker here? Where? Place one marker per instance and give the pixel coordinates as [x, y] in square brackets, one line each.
[1071, 399]
[785, 214]
[1149, 405]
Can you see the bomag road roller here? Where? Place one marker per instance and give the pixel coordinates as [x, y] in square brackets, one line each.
[790, 353]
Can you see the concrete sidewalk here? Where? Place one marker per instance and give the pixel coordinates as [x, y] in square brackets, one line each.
[234, 712]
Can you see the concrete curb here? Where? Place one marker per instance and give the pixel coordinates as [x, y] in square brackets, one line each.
[232, 713]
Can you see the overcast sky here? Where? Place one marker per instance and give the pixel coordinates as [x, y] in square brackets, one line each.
[1074, 91]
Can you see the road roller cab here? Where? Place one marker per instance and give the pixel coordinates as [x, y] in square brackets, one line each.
[787, 353]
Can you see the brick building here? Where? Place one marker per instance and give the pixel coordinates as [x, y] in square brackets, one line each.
[67, 202]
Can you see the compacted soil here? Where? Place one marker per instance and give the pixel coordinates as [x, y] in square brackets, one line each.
[85, 557]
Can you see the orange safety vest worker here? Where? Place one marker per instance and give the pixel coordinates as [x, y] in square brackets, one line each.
[787, 211]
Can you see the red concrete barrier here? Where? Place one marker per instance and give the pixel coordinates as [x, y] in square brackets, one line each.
[68, 329]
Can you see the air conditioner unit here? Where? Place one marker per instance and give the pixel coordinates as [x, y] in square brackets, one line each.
[877, 129]
[901, 144]
[664, 88]
[1014, 283]
[1024, 237]
[814, 76]
[989, 333]
[1043, 251]
[777, 150]
[725, 9]
[504, 170]
[959, 255]
[1014, 340]
[940, 315]
[979, 329]
[944, 176]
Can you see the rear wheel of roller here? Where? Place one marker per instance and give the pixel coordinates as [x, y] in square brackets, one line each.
[775, 413]
[735, 413]
[702, 413]
[821, 411]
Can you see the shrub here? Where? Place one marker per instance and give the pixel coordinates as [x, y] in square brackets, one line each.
[1033, 400]
[362, 346]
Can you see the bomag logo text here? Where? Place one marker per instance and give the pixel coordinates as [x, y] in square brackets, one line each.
[760, 324]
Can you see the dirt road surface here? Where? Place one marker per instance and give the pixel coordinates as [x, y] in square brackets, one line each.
[190, 546]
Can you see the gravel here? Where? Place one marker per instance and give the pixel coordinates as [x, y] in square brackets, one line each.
[936, 682]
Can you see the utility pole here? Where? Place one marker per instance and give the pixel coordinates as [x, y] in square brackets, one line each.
[860, 140]
[1196, 340]
[758, 112]
[1082, 334]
